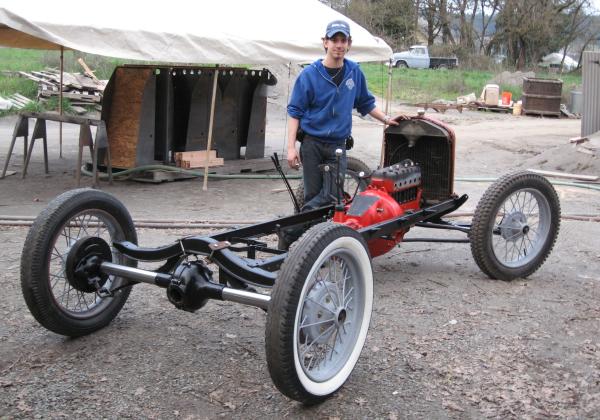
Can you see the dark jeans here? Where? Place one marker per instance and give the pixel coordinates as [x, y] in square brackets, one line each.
[320, 190]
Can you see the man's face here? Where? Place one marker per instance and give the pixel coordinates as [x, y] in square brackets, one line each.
[337, 46]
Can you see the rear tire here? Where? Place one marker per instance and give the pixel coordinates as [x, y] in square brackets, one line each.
[515, 226]
[319, 313]
[55, 302]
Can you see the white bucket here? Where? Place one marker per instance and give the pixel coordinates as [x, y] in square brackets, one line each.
[491, 94]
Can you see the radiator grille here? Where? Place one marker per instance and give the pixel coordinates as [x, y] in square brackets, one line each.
[433, 155]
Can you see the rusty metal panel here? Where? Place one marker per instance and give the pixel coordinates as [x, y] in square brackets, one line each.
[590, 122]
[542, 96]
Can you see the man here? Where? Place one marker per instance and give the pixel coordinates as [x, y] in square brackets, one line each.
[321, 105]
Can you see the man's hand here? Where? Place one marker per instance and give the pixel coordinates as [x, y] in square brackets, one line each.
[399, 117]
[293, 158]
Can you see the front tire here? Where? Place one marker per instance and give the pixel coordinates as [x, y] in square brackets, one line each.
[56, 301]
[319, 313]
[515, 226]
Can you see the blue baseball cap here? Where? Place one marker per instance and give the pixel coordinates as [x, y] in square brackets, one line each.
[337, 26]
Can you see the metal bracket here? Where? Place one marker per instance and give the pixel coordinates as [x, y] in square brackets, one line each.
[216, 246]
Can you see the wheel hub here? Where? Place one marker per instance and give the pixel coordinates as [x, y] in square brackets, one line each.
[514, 226]
[341, 317]
[322, 311]
[82, 265]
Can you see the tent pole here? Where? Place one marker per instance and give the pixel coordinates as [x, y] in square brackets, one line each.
[285, 114]
[60, 100]
[210, 128]
[388, 100]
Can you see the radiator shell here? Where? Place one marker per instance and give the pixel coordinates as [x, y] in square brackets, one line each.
[431, 145]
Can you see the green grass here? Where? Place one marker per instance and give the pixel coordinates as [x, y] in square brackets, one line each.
[14, 59]
[408, 85]
[414, 86]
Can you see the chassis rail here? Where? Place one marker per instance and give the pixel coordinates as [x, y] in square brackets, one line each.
[259, 271]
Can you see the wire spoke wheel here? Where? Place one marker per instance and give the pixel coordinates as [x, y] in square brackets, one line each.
[328, 321]
[79, 303]
[319, 313]
[523, 226]
[515, 226]
[59, 300]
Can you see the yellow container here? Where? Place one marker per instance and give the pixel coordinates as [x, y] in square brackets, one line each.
[517, 108]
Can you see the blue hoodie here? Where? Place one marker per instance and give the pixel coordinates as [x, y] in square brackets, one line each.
[325, 109]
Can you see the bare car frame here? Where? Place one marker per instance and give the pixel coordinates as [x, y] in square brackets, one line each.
[79, 261]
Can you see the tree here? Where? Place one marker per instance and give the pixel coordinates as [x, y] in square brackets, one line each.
[392, 20]
[577, 24]
[488, 10]
[529, 28]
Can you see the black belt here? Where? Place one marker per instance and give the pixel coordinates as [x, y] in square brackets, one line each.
[337, 143]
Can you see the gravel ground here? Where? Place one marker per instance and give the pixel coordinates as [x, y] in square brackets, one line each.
[444, 342]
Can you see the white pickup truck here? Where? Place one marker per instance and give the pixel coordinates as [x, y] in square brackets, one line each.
[417, 57]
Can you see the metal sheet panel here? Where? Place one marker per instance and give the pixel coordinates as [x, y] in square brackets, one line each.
[590, 122]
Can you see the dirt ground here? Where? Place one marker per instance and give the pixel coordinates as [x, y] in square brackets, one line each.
[444, 342]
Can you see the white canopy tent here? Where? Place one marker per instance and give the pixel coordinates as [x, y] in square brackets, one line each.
[220, 32]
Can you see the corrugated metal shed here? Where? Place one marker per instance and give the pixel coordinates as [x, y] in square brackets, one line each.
[590, 122]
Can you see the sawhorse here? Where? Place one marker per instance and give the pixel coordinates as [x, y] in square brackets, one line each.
[85, 140]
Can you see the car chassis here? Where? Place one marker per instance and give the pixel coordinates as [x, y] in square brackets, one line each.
[319, 310]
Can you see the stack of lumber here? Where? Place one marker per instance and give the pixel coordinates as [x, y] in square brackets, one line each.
[80, 89]
[14, 101]
[197, 159]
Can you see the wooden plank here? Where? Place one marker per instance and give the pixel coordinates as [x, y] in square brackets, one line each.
[71, 119]
[77, 109]
[200, 163]
[565, 175]
[16, 100]
[45, 79]
[124, 115]
[22, 97]
[195, 154]
[76, 96]
[87, 70]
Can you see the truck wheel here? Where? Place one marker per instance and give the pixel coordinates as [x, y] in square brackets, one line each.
[319, 313]
[354, 168]
[76, 224]
[515, 225]
[401, 65]
[442, 67]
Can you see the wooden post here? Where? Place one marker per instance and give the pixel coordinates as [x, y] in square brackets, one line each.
[210, 128]
[60, 100]
[388, 100]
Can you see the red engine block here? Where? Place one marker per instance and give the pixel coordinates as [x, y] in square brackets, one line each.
[392, 191]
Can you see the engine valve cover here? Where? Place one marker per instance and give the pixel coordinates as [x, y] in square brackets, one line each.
[397, 177]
